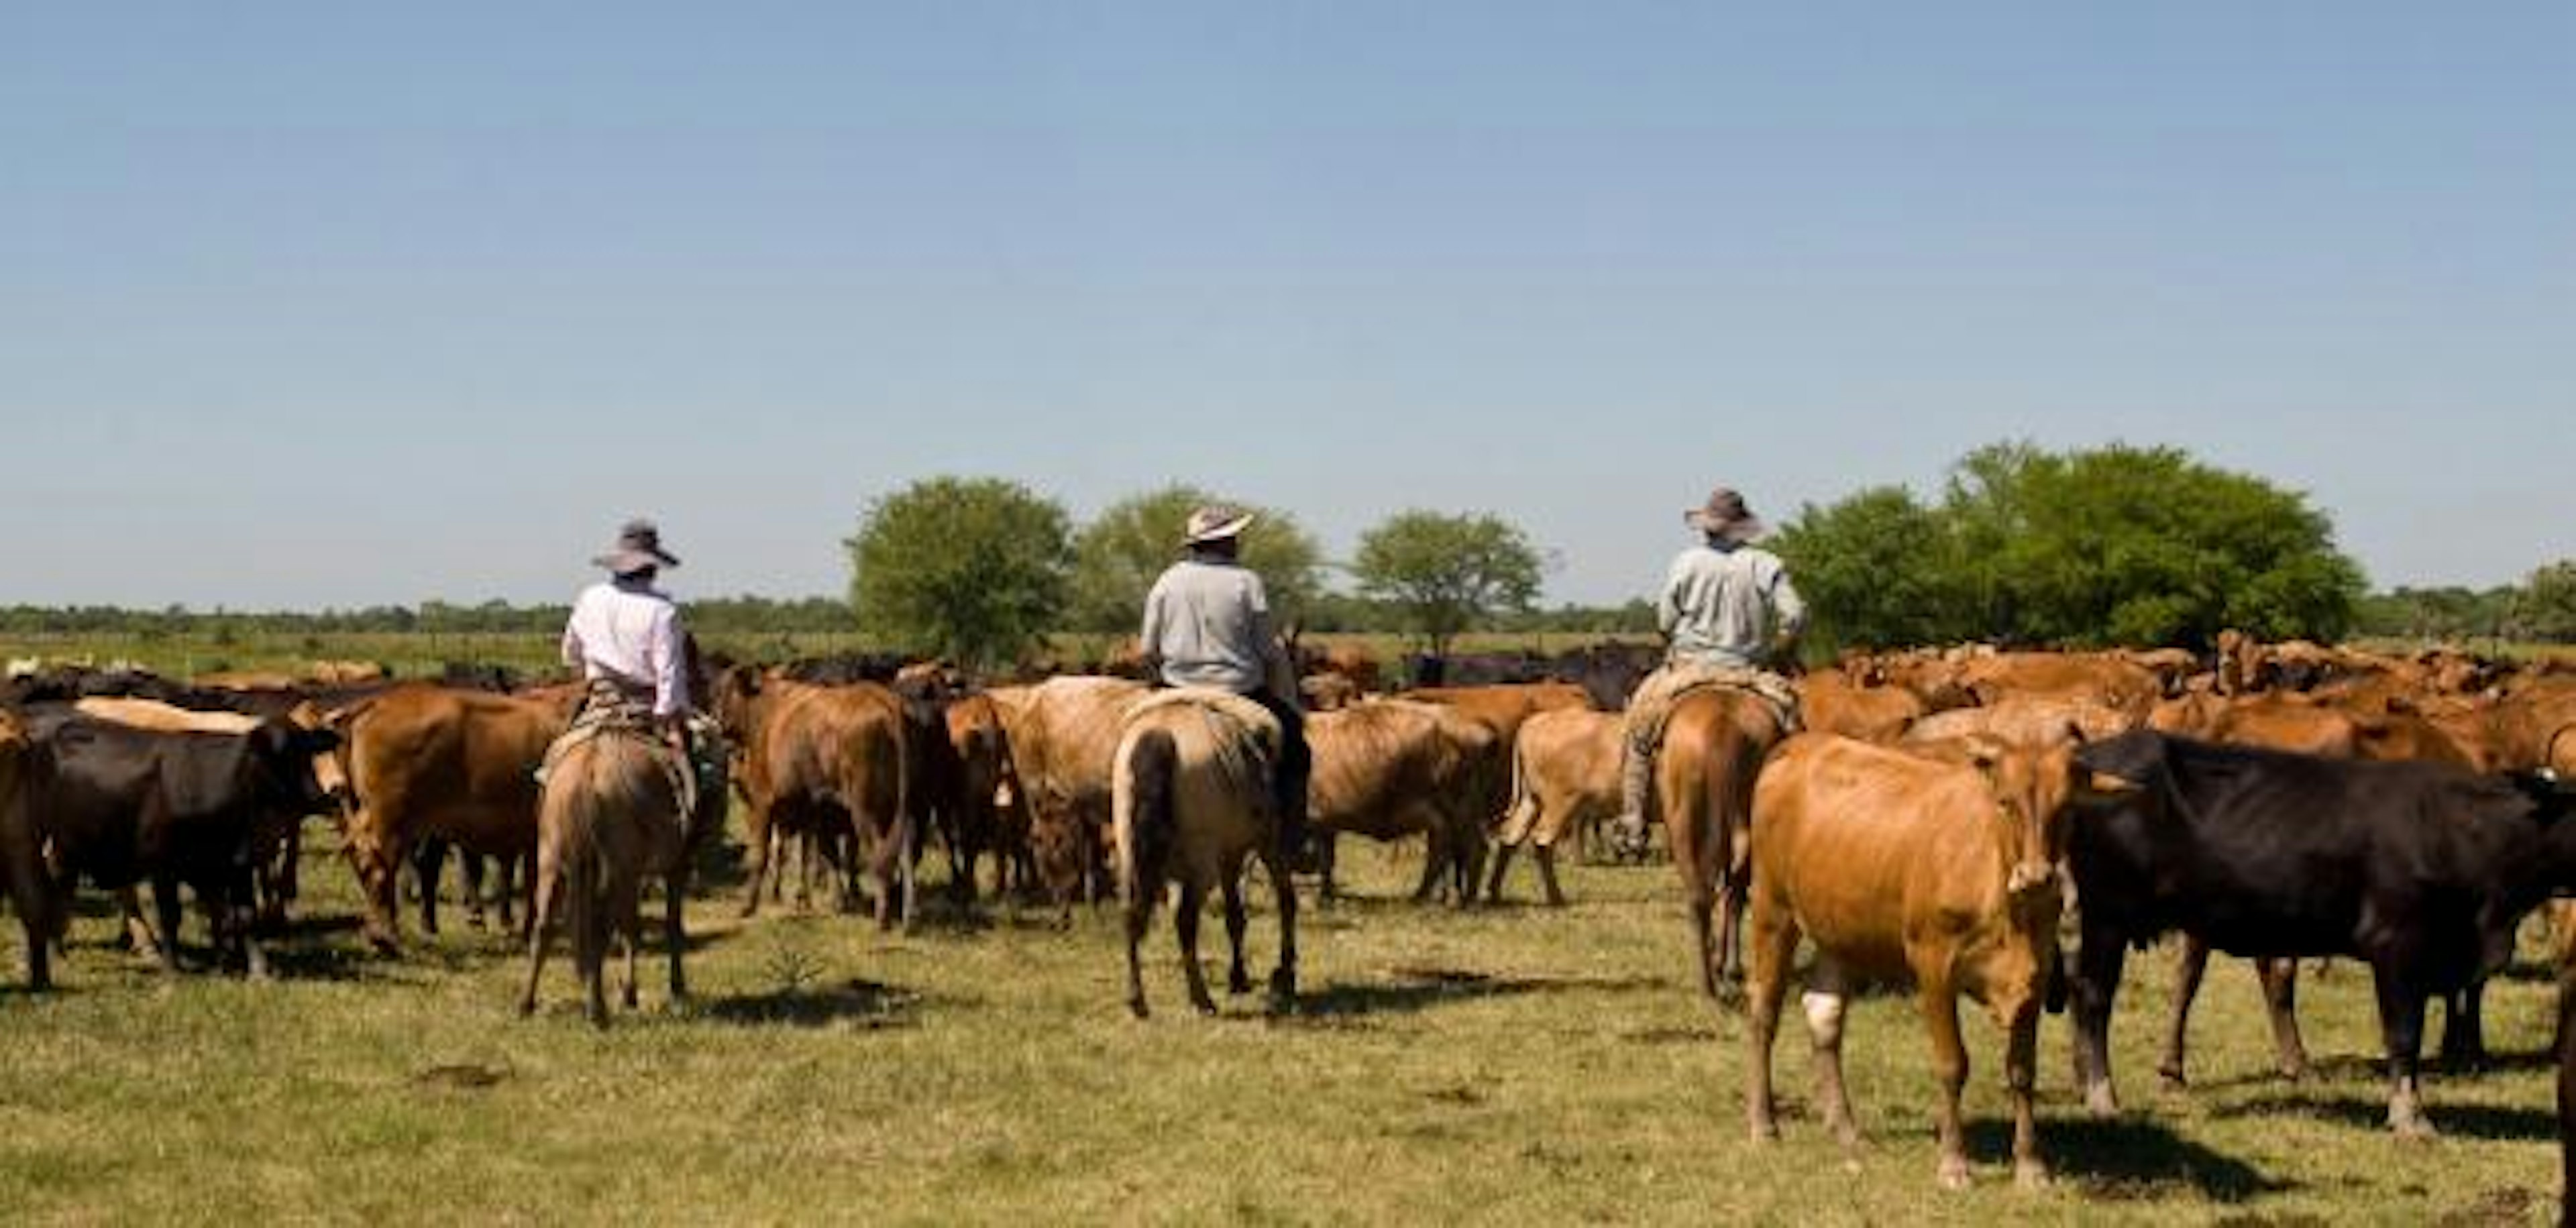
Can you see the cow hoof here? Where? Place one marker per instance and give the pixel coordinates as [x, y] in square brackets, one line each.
[1136, 1007]
[1954, 1174]
[1204, 1006]
[2030, 1175]
[2416, 1129]
[527, 1007]
[2172, 1082]
[1238, 982]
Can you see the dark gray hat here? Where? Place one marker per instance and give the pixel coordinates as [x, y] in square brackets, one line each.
[1725, 516]
[639, 545]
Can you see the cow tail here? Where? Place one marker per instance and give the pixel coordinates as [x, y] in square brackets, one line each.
[1512, 819]
[1141, 811]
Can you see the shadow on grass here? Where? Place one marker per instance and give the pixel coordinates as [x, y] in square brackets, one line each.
[859, 1002]
[2129, 1160]
[1420, 988]
[2478, 1121]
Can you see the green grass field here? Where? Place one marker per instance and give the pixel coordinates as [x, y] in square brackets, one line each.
[1503, 1064]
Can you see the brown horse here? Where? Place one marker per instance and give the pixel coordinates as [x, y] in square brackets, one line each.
[1190, 802]
[609, 816]
[1713, 746]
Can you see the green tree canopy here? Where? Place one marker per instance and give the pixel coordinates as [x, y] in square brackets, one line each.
[2114, 545]
[972, 569]
[1117, 556]
[1447, 573]
[2547, 608]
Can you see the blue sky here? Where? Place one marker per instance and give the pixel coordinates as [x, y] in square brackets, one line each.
[332, 304]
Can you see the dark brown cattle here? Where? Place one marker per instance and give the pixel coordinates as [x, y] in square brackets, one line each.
[829, 758]
[1389, 769]
[1904, 869]
[29, 889]
[1565, 779]
[1713, 746]
[433, 761]
[991, 815]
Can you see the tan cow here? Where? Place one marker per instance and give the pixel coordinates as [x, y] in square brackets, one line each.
[1834, 703]
[1565, 778]
[1906, 869]
[427, 760]
[830, 760]
[1390, 768]
[2025, 718]
[1063, 733]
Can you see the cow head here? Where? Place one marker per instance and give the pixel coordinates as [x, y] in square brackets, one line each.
[2037, 787]
[288, 759]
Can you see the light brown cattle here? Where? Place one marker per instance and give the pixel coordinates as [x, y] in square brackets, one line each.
[1565, 778]
[428, 760]
[830, 759]
[1063, 733]
[2105, 679]
[1834, 703]
[1389, 769]
[2024, 718]
[1902, 869]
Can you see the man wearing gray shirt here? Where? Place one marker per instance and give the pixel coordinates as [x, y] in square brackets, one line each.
[1207, 624]
[1726, 604]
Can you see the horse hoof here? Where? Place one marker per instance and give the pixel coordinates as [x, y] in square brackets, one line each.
[2030, 1175]
[1204, 1006]
[1954, 1174]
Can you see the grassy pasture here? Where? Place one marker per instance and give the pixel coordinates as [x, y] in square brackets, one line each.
[1504, 1064]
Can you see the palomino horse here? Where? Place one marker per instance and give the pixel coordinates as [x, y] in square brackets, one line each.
[1713, 747]
[1190, 800]
[610, 815]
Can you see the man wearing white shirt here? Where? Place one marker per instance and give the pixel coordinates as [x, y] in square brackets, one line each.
[625, 636]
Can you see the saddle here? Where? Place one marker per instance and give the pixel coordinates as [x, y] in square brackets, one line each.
[1664, 689]
[610, 709]
[1246, 736]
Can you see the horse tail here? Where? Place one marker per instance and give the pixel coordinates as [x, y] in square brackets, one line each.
[1143, 780]
[569, 816]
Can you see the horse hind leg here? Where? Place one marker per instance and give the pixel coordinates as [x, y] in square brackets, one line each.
[545, 886]
[1185, 926]
[1237, 979]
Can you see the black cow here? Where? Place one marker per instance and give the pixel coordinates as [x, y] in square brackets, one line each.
[2420, 870]
[120, 805]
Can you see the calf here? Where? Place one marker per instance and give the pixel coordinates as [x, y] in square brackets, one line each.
[2420, 870]
[1906, 868]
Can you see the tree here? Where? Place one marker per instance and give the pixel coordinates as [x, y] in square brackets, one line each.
[972, 569]
[1447, 573]
[2115, 545]
[1877, 570]
[1117, 556]
[2546, 608]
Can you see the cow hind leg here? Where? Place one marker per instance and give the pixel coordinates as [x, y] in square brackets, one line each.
[2464, 1042]
[165, 906]
[1494, 879]
[2191, 962]
[2094, 991]
[1774, 941]
[1546, 857]
[2281, 1001]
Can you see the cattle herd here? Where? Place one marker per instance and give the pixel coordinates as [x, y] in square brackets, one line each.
[2004, 826]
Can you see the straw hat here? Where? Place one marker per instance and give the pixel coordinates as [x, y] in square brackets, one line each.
[1215, 522]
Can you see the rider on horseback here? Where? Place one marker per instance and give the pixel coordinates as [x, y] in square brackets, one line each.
[1207, 624]
[1727, 611]
[625, 638]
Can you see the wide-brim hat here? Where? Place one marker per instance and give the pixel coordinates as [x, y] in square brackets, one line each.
[1725, 516]
[1215, 522]
[639, 545]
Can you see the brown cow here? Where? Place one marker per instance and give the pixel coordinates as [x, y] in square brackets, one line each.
[2037, 719]
[1910, 869]
[831, 759]
[1834, 703]
[427, 760]
[1063, 733]
[1391, 768]
[2106, 679]
[1713, 747]
[1565, 778]
[991, 814]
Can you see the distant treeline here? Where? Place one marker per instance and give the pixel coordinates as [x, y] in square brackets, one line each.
[711, 616]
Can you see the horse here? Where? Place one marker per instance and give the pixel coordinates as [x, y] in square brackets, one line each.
[1713, 746]
[610, 814]
[1190, 801]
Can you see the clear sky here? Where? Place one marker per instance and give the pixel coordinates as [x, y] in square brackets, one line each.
[339, 304]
